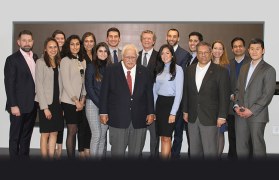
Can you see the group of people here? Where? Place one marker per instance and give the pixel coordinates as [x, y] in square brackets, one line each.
[94, 87]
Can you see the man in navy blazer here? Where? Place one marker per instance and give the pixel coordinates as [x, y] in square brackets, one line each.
[126, 103]
[19, 74]
[147, 57]
[182, 57]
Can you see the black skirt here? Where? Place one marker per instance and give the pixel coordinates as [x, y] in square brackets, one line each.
[163, 109]
[56, 123]
[70, 114]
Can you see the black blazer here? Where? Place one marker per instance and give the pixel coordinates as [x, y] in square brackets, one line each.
[119, 104]
[212, 101]
[182, 57]
[19, 83]
[151, 63]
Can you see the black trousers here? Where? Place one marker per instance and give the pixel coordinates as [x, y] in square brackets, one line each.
[21, 129]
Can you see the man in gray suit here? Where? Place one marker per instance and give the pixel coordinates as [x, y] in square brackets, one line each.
[205, 102]
[254, 91]
[113, 40]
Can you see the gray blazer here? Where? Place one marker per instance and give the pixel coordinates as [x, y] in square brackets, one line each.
[259, 91]
[233, 79]
[72, 81]
[44, 80]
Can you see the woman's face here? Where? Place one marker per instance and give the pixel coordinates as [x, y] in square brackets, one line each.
[74, 46]
[102, 53]
[51, 49]
[217, 50]
[89, 43]
[166, 55]
[60, 39]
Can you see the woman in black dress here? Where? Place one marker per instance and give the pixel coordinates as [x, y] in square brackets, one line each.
[48, 88]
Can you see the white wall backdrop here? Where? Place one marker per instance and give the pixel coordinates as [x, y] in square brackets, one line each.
[141, 11]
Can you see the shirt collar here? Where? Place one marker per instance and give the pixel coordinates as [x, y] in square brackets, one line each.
[25, 54]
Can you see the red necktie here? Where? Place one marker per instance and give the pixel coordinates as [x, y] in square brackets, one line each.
[129, 81]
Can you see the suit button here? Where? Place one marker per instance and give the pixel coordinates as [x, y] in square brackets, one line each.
[131, 99]
[130, 109]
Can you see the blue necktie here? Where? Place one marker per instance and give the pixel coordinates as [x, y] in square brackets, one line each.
[115, 58]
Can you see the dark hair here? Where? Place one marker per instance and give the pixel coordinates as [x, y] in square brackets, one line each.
[256, 41]
[237, 39]
[85, 35]
[26, 32]
[173, 30]
[66, 48]
[113, 29]
[57, 57]
[160, 64]
[202, 43]
[97, 62]
[58, 32]
[194, 33]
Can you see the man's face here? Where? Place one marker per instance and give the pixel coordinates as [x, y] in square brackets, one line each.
[256, 52]
[193, 41]
[172, 38]
[129, 58]
[203, 55]
[238, 48]
[147, 41]
[113, 39]
[25, 42]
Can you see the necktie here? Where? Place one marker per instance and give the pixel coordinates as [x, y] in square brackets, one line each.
[129, 81]
[115, 58]
[144, 63]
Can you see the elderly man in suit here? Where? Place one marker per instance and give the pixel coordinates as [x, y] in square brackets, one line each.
[19, 78]
[254, 91]
[126, 104]
[182, 57]
[147, 57]
[205, 102]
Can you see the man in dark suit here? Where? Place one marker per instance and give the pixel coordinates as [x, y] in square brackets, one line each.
[182, 57]
[147, 57]
[254, 91]
[113, 40]
[236, 63]
[194, 39]
[205, 102]
[19, 72]
[126, 103]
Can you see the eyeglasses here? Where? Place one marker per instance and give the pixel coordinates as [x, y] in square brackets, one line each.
[130, 57]
[203, 53]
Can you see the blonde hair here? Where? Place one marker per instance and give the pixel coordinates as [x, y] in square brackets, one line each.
[224, 60]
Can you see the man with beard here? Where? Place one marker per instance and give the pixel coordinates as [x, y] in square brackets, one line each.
[19, 78]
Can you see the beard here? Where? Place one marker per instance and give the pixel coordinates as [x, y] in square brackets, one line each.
[26, 48]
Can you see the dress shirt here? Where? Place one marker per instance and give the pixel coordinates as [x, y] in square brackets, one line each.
[112, 53]
[133, 74]
[200, 73]
[175, 47]
[148, 55]
[163, 86]
[250, 72]
[194, 55]
[30, 61]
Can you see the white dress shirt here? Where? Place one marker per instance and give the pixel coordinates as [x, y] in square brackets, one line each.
[133, 74]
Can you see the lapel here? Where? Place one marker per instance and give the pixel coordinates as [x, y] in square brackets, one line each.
[23, 64]
[207, 76]
[139, 58]
[256, 71]
[193, 74]
[152, 58]
[137, 79]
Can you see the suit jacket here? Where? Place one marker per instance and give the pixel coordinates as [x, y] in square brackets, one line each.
[212, 101]
[259, 91]
[151, 63]
[72, 83]
[44, 82]
[182, 57]
[233, 79]
[122, 107]
[19, 83]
